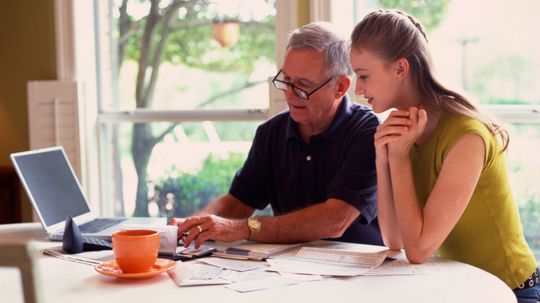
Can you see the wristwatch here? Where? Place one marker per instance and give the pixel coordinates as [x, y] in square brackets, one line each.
[255, 227]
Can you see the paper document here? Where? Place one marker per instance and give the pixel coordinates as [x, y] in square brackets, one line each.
[199, 273]
[327, 262]
[278, 281]
[255, 251]
[404, 267]
[89, 258]
[194, 274]
[237, 265]
[248, 276]
[367, 260]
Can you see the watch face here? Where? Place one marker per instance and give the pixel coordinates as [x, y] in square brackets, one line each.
[254, 224]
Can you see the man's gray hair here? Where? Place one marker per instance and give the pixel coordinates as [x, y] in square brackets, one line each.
[321, 37]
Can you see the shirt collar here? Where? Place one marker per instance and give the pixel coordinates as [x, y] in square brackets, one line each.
[334, 132]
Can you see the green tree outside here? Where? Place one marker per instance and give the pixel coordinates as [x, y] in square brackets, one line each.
[179, 32]
[189, 192]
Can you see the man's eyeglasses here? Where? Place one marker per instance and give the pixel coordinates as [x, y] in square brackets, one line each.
[302, 94]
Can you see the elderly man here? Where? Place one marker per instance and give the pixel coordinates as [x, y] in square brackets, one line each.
[314, 164]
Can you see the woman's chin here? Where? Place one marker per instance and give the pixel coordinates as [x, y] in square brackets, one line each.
[378, 109]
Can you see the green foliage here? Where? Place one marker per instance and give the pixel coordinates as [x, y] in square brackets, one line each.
[504, 80]
[190, 42]
[429, 12]
[193, 191]
[236, 130]
[530, 219]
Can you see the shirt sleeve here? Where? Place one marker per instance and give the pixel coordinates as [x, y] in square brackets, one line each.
[250, 183]
[356, 180]
[458, 127]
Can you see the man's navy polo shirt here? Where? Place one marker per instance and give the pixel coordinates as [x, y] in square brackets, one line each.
[290, 174]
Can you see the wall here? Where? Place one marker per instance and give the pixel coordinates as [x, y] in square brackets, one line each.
[27, 52]
[303, 12]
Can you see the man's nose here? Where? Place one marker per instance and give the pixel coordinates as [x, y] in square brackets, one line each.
[289, 93]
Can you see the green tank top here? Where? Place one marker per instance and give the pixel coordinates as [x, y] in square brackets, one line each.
[489, 234]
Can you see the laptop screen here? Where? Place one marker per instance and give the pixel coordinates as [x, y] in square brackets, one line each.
[49, 179]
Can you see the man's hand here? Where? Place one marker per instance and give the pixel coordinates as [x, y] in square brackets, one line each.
[210, 227]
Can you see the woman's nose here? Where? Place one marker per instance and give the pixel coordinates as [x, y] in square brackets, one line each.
[359, 89]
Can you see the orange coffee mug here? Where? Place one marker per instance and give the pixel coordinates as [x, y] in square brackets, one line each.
[135, 251]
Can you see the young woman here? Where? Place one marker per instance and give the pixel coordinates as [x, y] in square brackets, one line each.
[442, 180]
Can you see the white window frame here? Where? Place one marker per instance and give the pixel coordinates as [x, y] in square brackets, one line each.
[76, 45]
[74, 41]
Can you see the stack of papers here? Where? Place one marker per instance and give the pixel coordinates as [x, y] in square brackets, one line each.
[256, 251]
[242, 280]
[285, 264]
[328, 262]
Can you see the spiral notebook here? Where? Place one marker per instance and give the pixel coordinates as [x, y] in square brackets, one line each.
[257, 251]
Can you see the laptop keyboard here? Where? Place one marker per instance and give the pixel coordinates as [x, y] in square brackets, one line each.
[91, 243]
[99, 224]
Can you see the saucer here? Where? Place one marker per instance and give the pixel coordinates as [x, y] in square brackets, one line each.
[110, 268]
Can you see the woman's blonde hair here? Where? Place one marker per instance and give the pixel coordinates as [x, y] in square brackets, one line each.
[392, 35]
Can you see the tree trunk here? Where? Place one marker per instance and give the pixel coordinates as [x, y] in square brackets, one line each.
[151, 49]
[141, 148]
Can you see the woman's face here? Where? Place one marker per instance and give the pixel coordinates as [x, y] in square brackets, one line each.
[376, 79]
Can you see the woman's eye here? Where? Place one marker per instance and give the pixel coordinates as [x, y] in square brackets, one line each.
[363, 77]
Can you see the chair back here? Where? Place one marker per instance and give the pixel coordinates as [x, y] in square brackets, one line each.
[23, 255]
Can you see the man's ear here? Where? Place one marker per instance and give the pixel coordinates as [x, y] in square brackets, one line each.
[343, 84]
[402, 68]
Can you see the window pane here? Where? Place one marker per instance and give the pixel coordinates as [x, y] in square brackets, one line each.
[485, 48]
[524, 172]
[494, 62]
[198, 54]
[192, 163]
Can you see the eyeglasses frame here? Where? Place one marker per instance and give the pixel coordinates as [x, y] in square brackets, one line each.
[295, 88]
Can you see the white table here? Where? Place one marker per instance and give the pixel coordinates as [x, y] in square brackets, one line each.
[64, 281]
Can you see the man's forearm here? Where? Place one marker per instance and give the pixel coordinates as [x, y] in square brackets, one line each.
[325, 220]
[227, 206]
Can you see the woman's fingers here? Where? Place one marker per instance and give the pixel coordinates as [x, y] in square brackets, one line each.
[399, 113]
[388, 139]
[413, 116]
[422, 119]
[390, 130]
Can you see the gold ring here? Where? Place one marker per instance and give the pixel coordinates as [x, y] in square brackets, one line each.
[199, 228]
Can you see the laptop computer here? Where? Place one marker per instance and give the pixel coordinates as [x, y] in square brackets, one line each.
[55, 194]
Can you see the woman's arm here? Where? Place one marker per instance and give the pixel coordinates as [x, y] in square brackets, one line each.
[385, 208]
[385, 200]
[424, 230]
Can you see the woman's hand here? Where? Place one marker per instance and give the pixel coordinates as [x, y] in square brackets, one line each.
[400, 146]
[390, 130]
